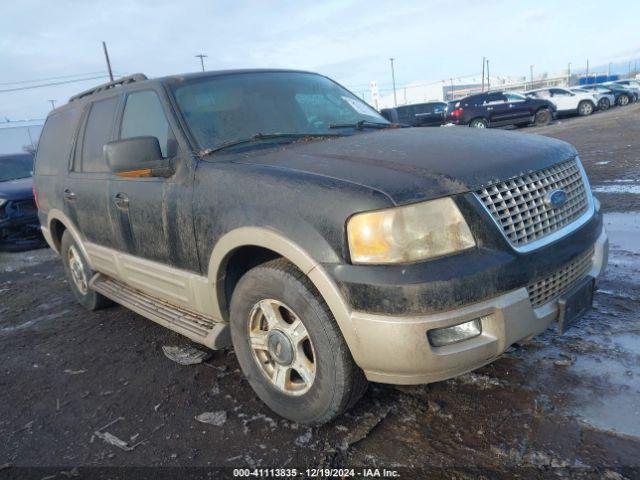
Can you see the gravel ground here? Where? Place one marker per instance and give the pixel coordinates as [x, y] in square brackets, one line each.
[67, 376]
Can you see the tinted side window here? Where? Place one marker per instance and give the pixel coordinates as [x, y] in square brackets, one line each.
[97, 133]
[143, 116]
[55, 142]
[494, 97]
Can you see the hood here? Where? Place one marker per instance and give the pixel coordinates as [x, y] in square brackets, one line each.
[17, 189]
[414, 164]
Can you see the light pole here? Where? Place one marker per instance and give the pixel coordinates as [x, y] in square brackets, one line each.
[201, 57]
[483, 62]
[531, 75]
[488, 77]
[393, 80]
[609, 71]
[569, 74]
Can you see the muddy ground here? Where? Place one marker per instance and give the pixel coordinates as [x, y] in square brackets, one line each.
[556, 403]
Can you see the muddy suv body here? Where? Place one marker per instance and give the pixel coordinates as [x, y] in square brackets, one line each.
[330, 248]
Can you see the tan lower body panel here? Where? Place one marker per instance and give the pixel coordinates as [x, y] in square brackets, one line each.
[179, 287]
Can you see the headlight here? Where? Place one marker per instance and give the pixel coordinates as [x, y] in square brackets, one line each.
[408, 234]
[2, 202]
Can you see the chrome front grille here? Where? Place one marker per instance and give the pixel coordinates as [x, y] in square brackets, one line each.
[545, 290]
[518, 205]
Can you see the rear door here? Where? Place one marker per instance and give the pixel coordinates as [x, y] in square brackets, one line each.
[563, 99]
[428, 115]
[85, 189]
[495, 105]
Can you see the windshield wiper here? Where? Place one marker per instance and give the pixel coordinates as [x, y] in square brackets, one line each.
[361, 125]
[261, 136]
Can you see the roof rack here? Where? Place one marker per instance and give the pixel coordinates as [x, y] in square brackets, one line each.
[136, 77]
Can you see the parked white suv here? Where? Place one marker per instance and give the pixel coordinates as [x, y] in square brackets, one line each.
[604, 99]
[566, 101]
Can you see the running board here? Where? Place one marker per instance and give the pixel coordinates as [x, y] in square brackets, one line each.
[197, 327]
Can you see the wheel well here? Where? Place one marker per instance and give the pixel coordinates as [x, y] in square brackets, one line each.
[237, 263]
[57, 229]
[479, 118]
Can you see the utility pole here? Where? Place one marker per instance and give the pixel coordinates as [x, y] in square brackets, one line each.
[488, 77]
[53, 104]
[483, 61]
[106, 56]
[569, 74]
[531, 75]
[609, 71]
[629, 69]
[201, 57]
[451, 92]
[587, 72]
[393, 80]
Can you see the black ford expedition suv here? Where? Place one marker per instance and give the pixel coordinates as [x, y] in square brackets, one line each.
[275, 212]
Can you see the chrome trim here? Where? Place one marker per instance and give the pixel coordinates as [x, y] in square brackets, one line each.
[558, 234]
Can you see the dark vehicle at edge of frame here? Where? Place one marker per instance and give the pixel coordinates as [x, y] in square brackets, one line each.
[19, 224]
[276, 212]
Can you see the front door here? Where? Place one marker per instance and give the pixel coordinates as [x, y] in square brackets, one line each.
[517, 108]
[153, 214]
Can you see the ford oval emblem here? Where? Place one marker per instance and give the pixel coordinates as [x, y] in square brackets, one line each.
[555, 198]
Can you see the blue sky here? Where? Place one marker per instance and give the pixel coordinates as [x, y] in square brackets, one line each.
[349, 40]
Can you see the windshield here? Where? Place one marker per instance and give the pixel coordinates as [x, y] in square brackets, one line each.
[12, 168]
[229, 108]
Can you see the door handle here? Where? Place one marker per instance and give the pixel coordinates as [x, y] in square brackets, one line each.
[510, 106]
[489, 108]
[121, 200]
[68, 194]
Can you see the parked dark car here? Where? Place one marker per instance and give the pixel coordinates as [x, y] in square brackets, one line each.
[498, 109]
[624, 96]
[429, 114]
[276, 212]
[19, 224]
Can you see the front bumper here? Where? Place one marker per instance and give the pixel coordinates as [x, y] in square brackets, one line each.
[395, 349]
[21, 234]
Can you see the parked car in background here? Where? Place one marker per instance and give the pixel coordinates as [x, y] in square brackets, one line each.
[429, 114]
[496, 109]
[566, 102]
[603, 100]
[276, 212]
[623, 96]
[19, 224]
[632, 85]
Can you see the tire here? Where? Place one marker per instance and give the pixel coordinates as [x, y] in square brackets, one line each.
[585, 108]
[329, 381]
[604, 104]
[542, 117]
[623, 100]
[79, 274]
[478, 123]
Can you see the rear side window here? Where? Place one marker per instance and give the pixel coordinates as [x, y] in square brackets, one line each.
[143, 116]
[97, 133]
[55, 142]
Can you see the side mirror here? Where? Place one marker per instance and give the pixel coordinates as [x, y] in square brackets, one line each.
[137, 157]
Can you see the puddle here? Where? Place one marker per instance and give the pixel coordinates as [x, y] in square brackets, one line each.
[618, 188]
[623, 230]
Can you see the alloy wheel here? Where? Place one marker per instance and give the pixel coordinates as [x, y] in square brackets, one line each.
[77, 270]
[281, 347]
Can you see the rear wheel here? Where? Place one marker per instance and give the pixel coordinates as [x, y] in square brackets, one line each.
[585, 108]
[478, 123]
[289, 345]
[542, 117]
[79, 274]
[604, 104]
[623, 100]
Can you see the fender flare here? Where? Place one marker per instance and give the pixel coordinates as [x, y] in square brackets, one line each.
[276, 242]
[55, 214]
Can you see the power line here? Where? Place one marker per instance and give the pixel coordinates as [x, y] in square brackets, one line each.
[16, 82]
[52, 84]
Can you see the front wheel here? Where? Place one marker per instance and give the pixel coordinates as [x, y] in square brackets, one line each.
[623, 100]
[585, 108]
[604, 104]
[289, 345]
[543, 117]
[478, 123]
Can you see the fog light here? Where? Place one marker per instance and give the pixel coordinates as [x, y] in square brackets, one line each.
[440, 337]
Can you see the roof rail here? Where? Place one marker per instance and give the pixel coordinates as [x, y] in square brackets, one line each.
[136, 77]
